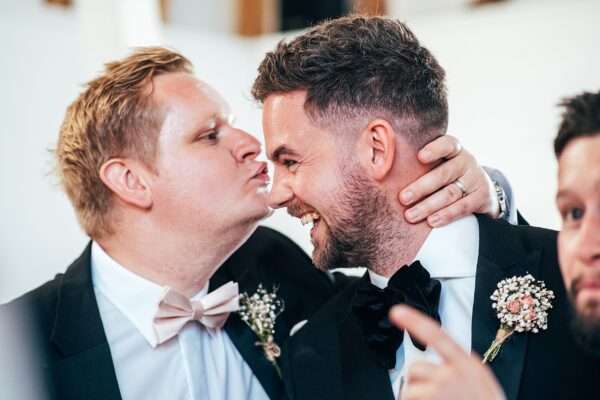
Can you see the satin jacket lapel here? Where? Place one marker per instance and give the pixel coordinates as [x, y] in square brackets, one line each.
[500, 257]
[84, 368]
[328, 358]
[310, 364]
[244, 338]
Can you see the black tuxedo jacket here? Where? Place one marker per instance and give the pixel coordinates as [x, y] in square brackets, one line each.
[329, 359]
[70, 338]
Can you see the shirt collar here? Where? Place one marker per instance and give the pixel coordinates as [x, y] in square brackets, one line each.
[134, 296]
[448, 252]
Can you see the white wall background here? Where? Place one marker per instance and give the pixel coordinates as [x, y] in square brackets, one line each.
[507, 66]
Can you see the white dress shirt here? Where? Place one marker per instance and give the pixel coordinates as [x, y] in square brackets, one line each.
[193, 365]
[450, 255]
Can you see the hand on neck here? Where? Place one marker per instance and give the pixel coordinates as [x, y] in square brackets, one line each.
[403, 240]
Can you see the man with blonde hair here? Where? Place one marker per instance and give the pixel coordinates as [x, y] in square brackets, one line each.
[168, 190]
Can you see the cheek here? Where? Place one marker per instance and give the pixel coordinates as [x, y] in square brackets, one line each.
[566, 244]
[316, 186]
[191, 178]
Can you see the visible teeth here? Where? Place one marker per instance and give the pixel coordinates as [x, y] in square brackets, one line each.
[309, 218]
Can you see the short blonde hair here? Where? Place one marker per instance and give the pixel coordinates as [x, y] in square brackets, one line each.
[113, 117]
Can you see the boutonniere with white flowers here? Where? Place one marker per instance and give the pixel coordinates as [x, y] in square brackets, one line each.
[259, 311]
[521, 305]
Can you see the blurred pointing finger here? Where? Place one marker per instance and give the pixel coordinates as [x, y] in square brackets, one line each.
[427, 331]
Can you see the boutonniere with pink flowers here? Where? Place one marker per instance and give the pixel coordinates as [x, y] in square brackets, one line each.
[521, 305]
[259, 311]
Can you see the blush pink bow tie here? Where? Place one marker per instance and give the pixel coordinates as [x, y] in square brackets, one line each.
[175, 310]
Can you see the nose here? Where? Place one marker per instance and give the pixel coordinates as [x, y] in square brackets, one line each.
[281, 191]
[588, 244]
[246, 147]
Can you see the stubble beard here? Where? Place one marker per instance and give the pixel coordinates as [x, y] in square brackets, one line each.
[362, 227]
[585, 325]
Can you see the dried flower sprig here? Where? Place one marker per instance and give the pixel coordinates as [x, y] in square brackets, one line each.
[521, 305]
[259, 311]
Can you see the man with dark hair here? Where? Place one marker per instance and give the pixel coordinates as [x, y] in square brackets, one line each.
[577, 148]
[580, 119]
[346, 107]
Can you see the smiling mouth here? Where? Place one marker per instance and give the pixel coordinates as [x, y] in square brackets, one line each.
[309, 218]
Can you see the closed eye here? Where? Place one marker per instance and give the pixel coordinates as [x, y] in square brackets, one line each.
[288, 163]
[213, 135]
[210, 136]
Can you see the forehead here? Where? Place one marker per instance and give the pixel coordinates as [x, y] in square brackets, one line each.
[286, 124]
[184, 97]
[579, 164]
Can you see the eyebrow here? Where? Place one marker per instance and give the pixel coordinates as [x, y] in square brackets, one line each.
[212, 121]
[562, 193]
[281, 151]
[216, 119]
[566, 191]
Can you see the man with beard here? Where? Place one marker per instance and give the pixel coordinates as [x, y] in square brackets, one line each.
[346, 107]
[168, 190]
[577, 147]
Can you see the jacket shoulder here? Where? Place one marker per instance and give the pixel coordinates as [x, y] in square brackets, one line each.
[35, 307]
[276, 254]
[275, 260]
[266, 242]
[500, 236]
[536, 236]
[42, 294]
[39, 305]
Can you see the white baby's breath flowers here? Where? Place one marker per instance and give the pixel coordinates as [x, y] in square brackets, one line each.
[521, 305]
[259, 311]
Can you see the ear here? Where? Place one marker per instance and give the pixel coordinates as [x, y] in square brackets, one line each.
[377, 148]
[125, 178]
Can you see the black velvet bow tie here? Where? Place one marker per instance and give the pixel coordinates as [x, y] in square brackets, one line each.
[410, 285]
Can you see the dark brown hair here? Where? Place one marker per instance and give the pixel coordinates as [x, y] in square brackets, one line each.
[113, 117]
[581, 117]
[361, 66]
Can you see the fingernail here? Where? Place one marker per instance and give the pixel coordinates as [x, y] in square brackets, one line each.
[398, 310]
[412, 214]
[425, 155]
[434, 220]
[407, 196]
